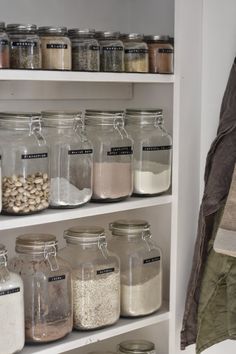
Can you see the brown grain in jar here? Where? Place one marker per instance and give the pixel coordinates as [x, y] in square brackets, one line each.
[161, 54]
[4, 47]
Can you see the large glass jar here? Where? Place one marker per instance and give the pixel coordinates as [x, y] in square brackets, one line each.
[71, 159]
[111, 51]
[152, 151]
[113, 149]
[4, 47]
[136, 347]
[95, 277]
[136, 53]
[25, 47]
[141, 267]
[56, 48]
[47, 285]
[12, 334]
[25, 184]
[85, 50]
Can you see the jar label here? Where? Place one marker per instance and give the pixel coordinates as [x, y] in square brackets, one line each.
[112, 49]
[123, 150]
[80, 152]
[105, 271]
[4, 42]
[23, 44]
[165, 50]
[94, 47]
[56, 278]
[57, 46]
[34, 156]
[157, 148]
[9, 291]
[151, 260]
[136, 51]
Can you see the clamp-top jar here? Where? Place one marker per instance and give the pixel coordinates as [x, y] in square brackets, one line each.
[111, 51]
[4, 47]
[161, 54]
[136, 53]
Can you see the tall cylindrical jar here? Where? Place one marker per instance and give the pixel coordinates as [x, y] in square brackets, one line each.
[113, 155]
[25, 182]
[56, 48]
[152, 151]
[141, 267]
[111, 51]
[4, 47]
[47, 284]
[138, 346]
[95, 277]
[71, 159]
[11, 308]
[136, 53]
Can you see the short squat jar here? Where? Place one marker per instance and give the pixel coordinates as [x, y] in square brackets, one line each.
[56, 48]
[152, 151]
[111, 51]
[161, 54]
[95, 277]
[11, 308]
[85, 50]
[136, 347]
[141, 267]
[136, 53]
[25, 181]
[113, 155]
[47, 284]
[25, 47]
[71, 159]
[4, 47]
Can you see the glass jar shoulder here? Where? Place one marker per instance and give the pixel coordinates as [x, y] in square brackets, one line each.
[111, 43]
[84, 42]
[13, 281]
[55, 39]
[66, 136]
[150, 132]
[135, 45]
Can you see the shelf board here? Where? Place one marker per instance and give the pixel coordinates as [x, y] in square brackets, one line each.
[90, 209]
[79, 339]
[73, 76]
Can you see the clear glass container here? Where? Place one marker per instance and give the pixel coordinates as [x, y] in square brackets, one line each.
[111, 51]
[85, 50]
[4, 48]
[0, 182]
[25, 47]
[47, 285]
[136, 53]
[95, 277]
[113, 155]
[141, 267]
[12, 333]
[56, 48]
[136, 347]
[152, 151]
[25, 182]
[71, 159]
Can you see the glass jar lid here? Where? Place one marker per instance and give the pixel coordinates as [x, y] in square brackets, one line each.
[133, 36]
[83, 33]
[136, 346]
[60, 118]
[19, 120]
[35, 243]
[52, 30]
[144, 116]
[103, 117]
[129, 227]
[21, 28]
[157, 38]
[84, 234]
[107, 35]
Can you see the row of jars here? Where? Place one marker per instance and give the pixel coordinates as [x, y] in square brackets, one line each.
[56, 48]
[136, 346]
[44, 293]
[60, 160]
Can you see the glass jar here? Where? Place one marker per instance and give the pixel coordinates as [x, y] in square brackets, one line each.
[56, 48]
[71, 159]
[136, 53]
[161, 54]
[0, 182]
[136, 347]
[25, 47]
[25, 184]
[47, 284]
[4, 47]
[141, 267]
[111, 51]
[11, 308]
[85, 50]
[95, 277]
[113, 155]
[152, 151]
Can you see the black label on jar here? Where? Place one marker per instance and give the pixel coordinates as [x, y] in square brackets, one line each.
[43, 155]
[136, 51]
[165, 51]
[157, 148]
[23, 44]
[94, 47]
[4, 42]
[57, 46]
[112, 49]
[80, 152]
[105, 271]
[151, 260]
[123, 150]
[56, 278]
[9, 291]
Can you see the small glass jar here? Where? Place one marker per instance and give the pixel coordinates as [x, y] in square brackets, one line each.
[25, 47]
[111, 51]
[0, 182]
[25, 183]
[113, 155]
[71, 159]
[95, 277]
[161, 54]
[11, 308]
[85, 50]
[47, 285]
[141, 267]
[136, 347]
[136, 53]
[4, 48]
[56, 48]
[152, 151]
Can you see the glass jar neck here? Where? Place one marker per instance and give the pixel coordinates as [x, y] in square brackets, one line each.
[98, 244]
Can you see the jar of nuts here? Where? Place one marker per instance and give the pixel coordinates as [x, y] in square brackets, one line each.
[25, 182]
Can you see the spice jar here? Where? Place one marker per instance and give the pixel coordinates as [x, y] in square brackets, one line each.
[4, 47]
[95, 277]
[136, 347]
[85, 50]
[25, 47]
[56, 48]
[111, 51]
[136, 53]
[11, 308]
[71, 159]
[113, 149]
[25, 184]
[152, 151]
[47, 284]
[161, 54]
[141, 267]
